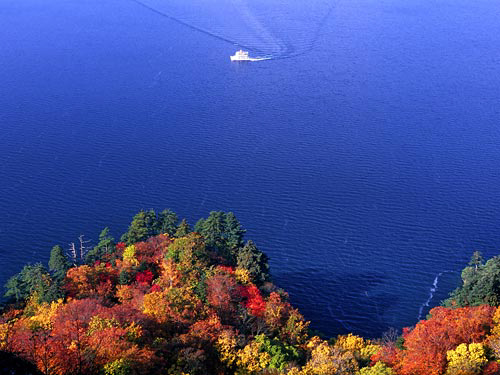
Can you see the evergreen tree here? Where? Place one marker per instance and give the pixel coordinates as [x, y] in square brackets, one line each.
[15, 288]
[105, 247]
[480, 284]
[31, 279]
[198, 227]
[255, 261]
[234, 232]
[183, 229]
[213, 230]
[58, 263]
[168, 222]
[143, 226]
[124, 278]
[54, 291]
[476, 260]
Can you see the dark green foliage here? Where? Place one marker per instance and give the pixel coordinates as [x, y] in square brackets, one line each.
[198, 227]
[124, 278]
[201, 287]
[144, 225]
[58, 263]
[167, 221]
[213, 230]
[188, 250]
[481, 284]
[255, 261]
[143, 266]
[147, 224]
[223, 234]
[191, 361]
[476, 260]
[281, 354]
[54, 291]
[32, 278]
[400, 343]
[15, 288]
[183, 229]
[105, 247]
[234, 232]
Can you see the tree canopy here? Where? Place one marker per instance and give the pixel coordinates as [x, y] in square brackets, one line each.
[168, 301]
[480, 284]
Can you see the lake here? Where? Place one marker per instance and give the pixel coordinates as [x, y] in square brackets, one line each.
[362, 157]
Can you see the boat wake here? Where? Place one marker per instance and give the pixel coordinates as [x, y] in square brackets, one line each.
[432, 290]
[272, 30]
[260, 58]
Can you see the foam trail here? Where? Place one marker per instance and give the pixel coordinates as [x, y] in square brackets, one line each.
[269, 30]
[317, 34]
[260, 58]
[193, 27]
[432, 290]
[263, 32]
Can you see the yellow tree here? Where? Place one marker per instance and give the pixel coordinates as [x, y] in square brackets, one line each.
[466, 359]
[227, 347]
[295, 330]
[154, 306]
[129, 258]
[252, 359]
[329, 360]
[170, 276]
[361, 348]
[378, 369]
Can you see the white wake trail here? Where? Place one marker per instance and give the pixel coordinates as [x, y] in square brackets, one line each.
[432, 290]
[268, 30]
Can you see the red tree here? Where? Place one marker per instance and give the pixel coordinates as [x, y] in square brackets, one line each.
[253, 300]
[223, 294]
[427, 344]
[69, 340]
[145, 277]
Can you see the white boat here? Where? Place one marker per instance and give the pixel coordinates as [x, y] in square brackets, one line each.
[242, 56]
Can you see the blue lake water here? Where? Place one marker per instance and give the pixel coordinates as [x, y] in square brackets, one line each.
[363, 157]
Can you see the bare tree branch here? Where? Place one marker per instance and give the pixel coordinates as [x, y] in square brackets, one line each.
[72, 253]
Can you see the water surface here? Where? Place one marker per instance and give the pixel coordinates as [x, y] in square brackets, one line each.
[365, 165]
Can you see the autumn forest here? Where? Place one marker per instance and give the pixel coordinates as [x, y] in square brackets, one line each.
[170, 299]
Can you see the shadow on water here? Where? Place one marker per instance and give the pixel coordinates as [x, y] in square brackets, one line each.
[342, 303]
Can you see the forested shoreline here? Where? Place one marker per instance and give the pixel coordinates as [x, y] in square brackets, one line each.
[170, 299]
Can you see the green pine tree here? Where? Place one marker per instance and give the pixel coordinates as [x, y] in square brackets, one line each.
[480, 284]
[104, 248]
[255, 261]
[15, 288]
[234, 232]
[143, 226]
[31, 279]
[198, 227]
[168, 222]
[183, 229]
[476, 260]
[213, 230]
[124, 278]
[58, 263]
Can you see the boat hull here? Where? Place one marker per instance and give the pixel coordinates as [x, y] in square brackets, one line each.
[235, 58]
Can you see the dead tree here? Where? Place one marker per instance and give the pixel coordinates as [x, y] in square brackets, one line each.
[72, 254]
[83, 248]
[78, 256]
